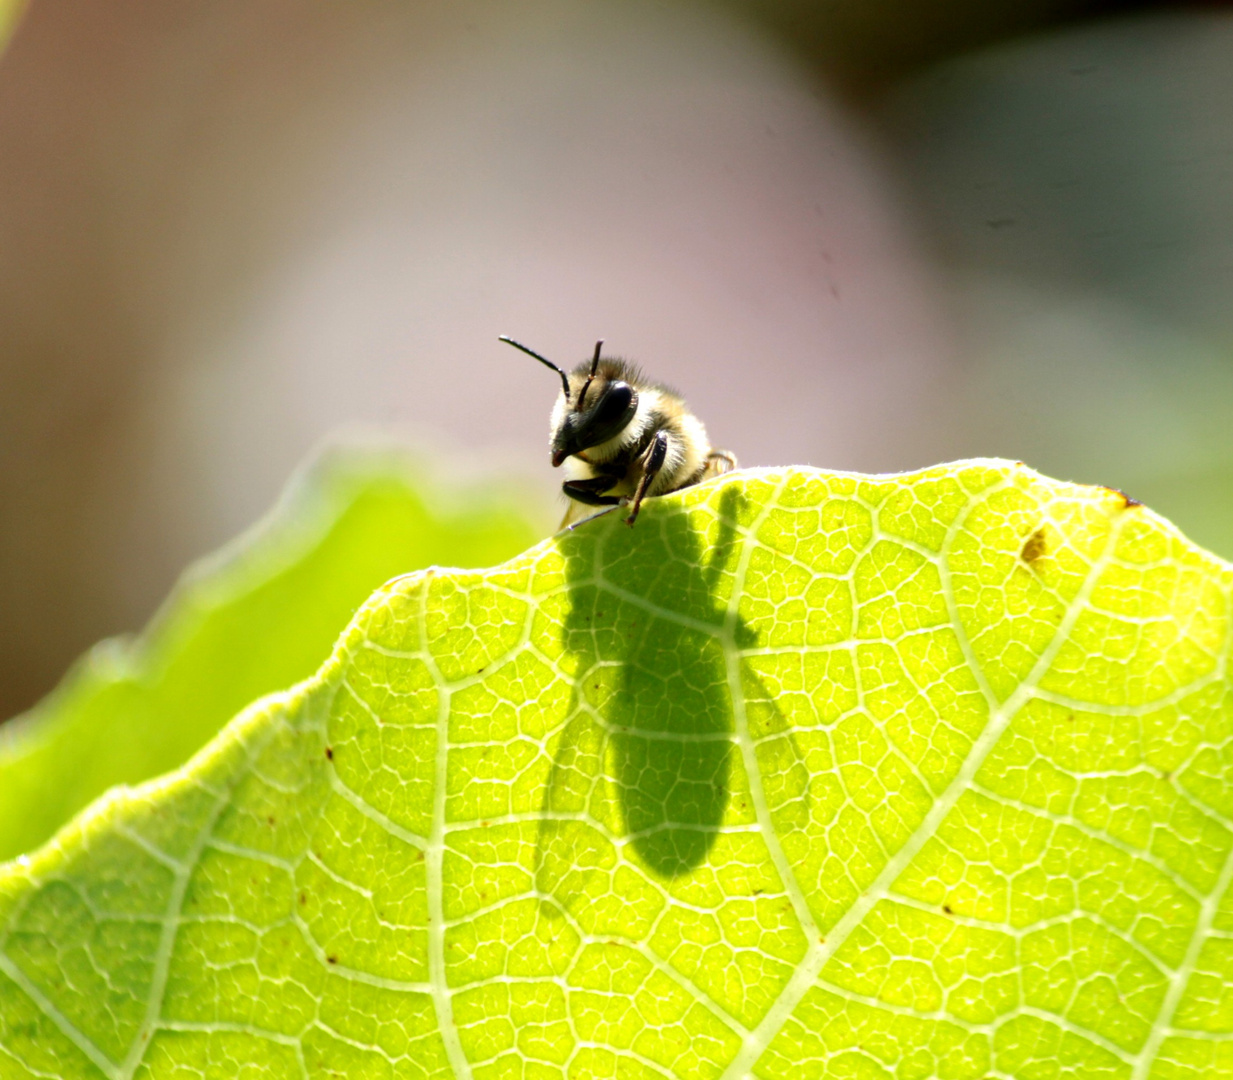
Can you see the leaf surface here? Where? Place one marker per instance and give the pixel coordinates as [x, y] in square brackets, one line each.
[807, 775]
[257, 617]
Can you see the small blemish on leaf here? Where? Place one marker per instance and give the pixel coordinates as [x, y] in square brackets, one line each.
[270, 821]
[329, 752]
[332, 959]
[1035, 546]
[947, 909]
[1127, 501]
[303, 899]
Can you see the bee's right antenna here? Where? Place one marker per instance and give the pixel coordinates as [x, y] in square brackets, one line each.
[594, 368]
[545, 360]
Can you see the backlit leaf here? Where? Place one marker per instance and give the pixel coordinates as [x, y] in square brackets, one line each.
[257, 617]
[807, 775]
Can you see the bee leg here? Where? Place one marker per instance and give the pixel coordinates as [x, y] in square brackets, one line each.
[588, 491]
[656, 454]
[717, 463]
[579, 513]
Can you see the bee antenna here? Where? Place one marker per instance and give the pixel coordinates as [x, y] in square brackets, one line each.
[594, 367]
[545, 360]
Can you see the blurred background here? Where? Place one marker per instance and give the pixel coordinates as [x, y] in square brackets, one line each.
[865, 236]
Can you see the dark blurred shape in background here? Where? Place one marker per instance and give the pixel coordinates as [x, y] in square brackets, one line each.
[860, 236]
[1079, 188]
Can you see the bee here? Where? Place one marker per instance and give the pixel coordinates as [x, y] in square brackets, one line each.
[623, 438]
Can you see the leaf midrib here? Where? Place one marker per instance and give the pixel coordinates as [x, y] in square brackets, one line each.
[1000, 715]
[1203, 925]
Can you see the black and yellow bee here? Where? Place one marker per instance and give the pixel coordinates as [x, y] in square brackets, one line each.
[623, 438]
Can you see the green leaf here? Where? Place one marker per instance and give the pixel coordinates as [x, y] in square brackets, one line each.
[261, 615]
[807, 775]
[10, 13]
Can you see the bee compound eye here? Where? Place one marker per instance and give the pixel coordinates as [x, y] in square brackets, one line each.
[614, 405]
[613, 409]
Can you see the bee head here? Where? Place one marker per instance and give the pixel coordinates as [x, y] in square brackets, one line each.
[595, 406]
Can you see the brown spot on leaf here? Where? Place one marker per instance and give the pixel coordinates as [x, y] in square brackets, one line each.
[332, 959]
[1035, 546]
[303, 899]
[329, 752]
[1127, 501]
[947, 909]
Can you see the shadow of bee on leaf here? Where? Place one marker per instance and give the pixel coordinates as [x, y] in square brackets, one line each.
[643, 772]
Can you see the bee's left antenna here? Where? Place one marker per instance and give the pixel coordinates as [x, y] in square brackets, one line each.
[541, 359]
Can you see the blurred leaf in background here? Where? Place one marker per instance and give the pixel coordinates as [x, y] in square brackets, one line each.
[10, 12]
[258, 617]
